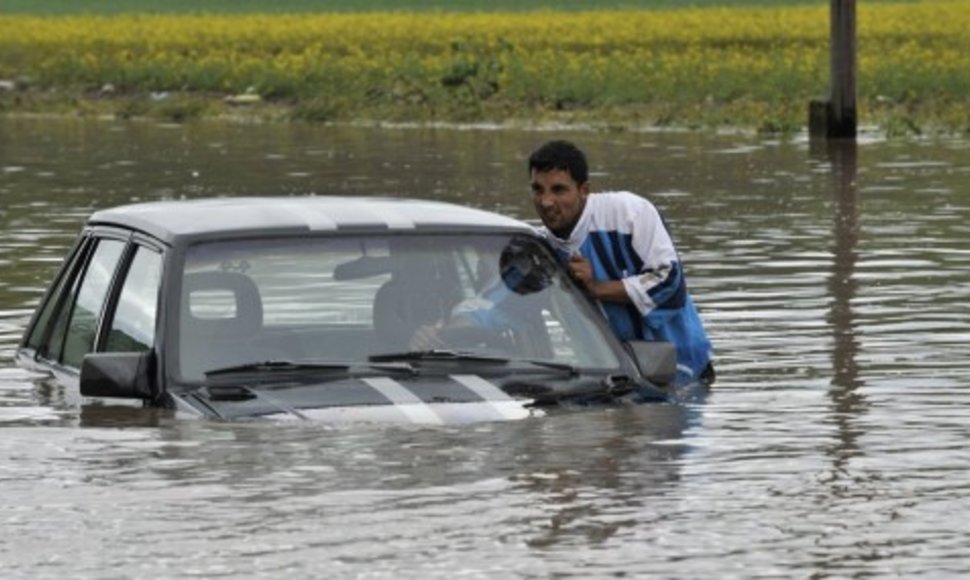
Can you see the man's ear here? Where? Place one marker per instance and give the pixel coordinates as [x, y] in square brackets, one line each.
[584, 188]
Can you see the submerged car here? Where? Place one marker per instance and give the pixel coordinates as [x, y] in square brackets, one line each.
[330, 308]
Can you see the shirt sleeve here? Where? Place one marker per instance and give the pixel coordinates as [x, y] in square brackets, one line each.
[659, 283]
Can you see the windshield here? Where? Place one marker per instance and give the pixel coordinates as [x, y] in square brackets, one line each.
[352, 300]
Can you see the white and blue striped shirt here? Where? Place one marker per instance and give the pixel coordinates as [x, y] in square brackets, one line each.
[624, 238]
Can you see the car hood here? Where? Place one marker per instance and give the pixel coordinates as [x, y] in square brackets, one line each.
[425, 399]
[440, 399]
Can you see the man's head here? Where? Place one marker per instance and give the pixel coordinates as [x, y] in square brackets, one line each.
[559, 177]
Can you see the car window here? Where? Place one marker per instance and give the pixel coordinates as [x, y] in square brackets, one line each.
[475, 268]
[55, 300]
[90, 297]
[133, 324]
[299, 282]
[347, 298]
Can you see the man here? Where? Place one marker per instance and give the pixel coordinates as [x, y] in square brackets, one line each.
[616, 246]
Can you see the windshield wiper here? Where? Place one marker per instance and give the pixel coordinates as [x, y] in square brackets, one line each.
[462, 356]
[436, 354]
[283, 366]
[558, 366]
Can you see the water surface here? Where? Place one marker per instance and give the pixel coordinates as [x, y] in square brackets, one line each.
[834, 284]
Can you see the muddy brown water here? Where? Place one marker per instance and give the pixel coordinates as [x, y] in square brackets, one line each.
[834, 283]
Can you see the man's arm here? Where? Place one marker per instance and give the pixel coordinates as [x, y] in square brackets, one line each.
[657, 284]
[605, 290]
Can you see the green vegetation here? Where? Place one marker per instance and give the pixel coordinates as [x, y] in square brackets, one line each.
[719, 66]
[303, 6]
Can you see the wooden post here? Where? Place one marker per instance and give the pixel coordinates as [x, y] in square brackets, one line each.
[836, 118]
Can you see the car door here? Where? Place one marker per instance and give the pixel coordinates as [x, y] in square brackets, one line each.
[105, 299]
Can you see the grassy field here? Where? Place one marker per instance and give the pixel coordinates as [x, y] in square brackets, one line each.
[700, 67]
[304, 6]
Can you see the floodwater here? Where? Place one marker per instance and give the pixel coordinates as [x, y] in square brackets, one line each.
[835, 285]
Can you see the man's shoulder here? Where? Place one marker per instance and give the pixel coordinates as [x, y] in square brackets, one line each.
[612, 207]
[613, 198]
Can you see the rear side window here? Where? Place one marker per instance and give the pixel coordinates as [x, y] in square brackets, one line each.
[133, 325]
[89, 300]
[55, 299]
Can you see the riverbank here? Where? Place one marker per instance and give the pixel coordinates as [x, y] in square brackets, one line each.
[710, 68]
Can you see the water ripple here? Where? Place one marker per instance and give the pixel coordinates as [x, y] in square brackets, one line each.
[834, 285]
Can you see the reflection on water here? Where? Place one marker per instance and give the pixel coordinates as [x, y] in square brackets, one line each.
[834, 282]
[848, 401]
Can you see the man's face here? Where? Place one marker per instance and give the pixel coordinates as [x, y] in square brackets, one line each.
[559, 200]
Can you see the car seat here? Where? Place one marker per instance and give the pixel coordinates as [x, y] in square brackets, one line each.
[422, 290]
[222, 314]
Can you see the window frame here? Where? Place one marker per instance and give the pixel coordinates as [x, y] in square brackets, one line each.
[134, 240]
[42, 323]
[59, 301]
[113, 298]
[78, 284]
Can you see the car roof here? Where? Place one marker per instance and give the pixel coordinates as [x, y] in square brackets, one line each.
[230, 216]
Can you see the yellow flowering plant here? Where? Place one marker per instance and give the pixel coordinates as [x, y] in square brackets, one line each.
[695, 67]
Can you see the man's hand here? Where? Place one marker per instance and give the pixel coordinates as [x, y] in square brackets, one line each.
[581, 271]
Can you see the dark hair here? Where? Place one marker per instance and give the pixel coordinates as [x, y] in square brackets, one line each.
[561, 155]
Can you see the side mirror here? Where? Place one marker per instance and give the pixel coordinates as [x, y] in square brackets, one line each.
[657, 361]
[124, 375]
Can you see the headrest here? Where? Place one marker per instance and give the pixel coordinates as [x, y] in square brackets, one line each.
[248, 307]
